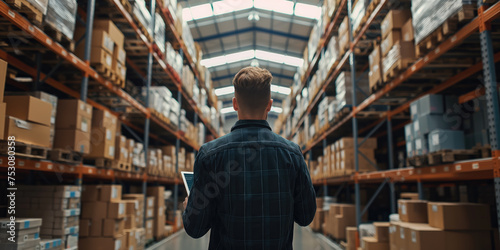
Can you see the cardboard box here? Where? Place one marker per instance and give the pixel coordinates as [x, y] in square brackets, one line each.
[130, 222]
[395, 19]
[370, 243]
[392, 38]
[74, 114]
[351, 238]
[29, 108]
[114, 33]
[84, 225]
[158, 194]
[116, 210]
[407, 31]
[414, 211]
[459, 216]
[382, 231]
[94, 210]
[424, 237]
[131, 207]
[159, 226]
[3, 76]
[150, 202]
[96, 226]
[100, 243]
[465, 240]
[27, 132]
[72, 139]
[113, 228]
[394, 236]
[100, 39]
[103, 119]
[3, 110]
[104, 193]
[149, 229]
[131, 240]
[102, 143]
[344, 27]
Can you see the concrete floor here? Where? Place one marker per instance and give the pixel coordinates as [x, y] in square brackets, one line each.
[304, 239]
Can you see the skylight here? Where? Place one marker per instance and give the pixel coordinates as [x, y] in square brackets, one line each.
[231, 110]
[251, 54]
[228, 6]
[274, 88]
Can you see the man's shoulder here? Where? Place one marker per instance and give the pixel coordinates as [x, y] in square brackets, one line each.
[228, 140]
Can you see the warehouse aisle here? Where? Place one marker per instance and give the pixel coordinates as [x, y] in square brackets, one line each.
[304, 239]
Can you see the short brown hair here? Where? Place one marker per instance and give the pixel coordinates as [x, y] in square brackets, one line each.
[252, 88]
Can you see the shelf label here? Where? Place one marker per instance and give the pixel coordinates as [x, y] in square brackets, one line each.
[446, 169]
[37, 165]
[475, 165]
[433, 170]
[21, 163]
[437, 50]
[31, 29]
[454, 38]
[50, 166]
[12, 14]
[64, 53]
[90, 171]
[48, 41]
[458, 167]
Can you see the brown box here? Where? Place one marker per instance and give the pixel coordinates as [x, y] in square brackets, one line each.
[100, 39]
[131, 207]
[29, 108]
[113, 228]
[395, 19]
[149, 229]
[72, 139]
[94, 210]
[100, 243]
[130, 222]
[459, 216]
[409, 196]
[101, 57]
[344, 27]
[158, 194]
[403, 235]
[393, 37]
[3, 76]
[414, 211]
[351, 238]
[84, 228]
[114, 33]
[407, 31]
[159, 226]
[120, 70]
[103, 119]
[424, 237]
[27, 132]
[394, 235]
[344, 44]
[465, 240]
[382, 231]
[3, 108]
[131, 239]
[150, 202]
[102, 143]
[74, 114]
[375, 75]
[370, 243]
[116, 210]
[96, 226]
[102, 193]
[348, 142]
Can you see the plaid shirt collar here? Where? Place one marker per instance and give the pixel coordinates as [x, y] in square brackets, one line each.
[250, 123]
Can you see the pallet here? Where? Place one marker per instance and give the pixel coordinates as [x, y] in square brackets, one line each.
[66, 156]
[342, 113]
[126, 5]
[448, 28]
[98, 162]
[377, 86]
[160, 116]
[104, 71]
[397, 68]
[34, 15]
[58, 36]
[142, 28]
[369, 10]
[24, 150]
[449, 156]
[417, 161]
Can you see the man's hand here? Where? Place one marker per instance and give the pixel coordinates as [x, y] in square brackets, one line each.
[185, 202]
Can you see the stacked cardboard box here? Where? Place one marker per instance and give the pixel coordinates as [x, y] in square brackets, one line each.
[375, 61]
[159, 210]
[344, 88]
[52, 244]
[102, 220]
[339, 217]
[20, 234]
[344, 41]
[319, 217]
[142, 14]
[431, 126]
[342, 156]
[58, 207]
[160, 30]
[121, 150]
[451, 226]
[150, 215]
[107, 49]
[73, 122]
[103, 135]
[395, 51]
[138, 155]
[358, 12]
[351, 234]
[28, 119]
[380, 241]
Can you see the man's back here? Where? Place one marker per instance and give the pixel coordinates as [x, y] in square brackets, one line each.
[250, 186]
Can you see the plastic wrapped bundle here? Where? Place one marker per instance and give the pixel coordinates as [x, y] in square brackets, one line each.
[187, 37]
[142, 13]
[61, 15]
[358, 12]
[160, 32]
[429, 15]
[344, 90]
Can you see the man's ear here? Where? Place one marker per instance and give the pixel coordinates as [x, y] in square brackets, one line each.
[235, 104]
[269, 105]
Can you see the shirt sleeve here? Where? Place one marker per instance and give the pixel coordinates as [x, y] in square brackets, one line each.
[200, 209]
[304, 195]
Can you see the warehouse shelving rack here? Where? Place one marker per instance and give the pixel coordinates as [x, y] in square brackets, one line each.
[154, 67]
[480, 169]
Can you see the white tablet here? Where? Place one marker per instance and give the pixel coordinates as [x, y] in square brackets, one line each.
[188, 178]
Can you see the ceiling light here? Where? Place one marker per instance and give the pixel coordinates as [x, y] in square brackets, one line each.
[254, 63]
[201, 11]
[307, 11]
[250, 54]
[231, 110]
[281, 6]
[224, 91]
[254, 16]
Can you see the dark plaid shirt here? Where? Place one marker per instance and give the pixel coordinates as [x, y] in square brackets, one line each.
[249, 188]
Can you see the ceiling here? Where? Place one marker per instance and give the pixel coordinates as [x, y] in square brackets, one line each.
[233, 31]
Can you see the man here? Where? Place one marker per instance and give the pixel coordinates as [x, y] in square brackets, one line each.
[251, 184]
